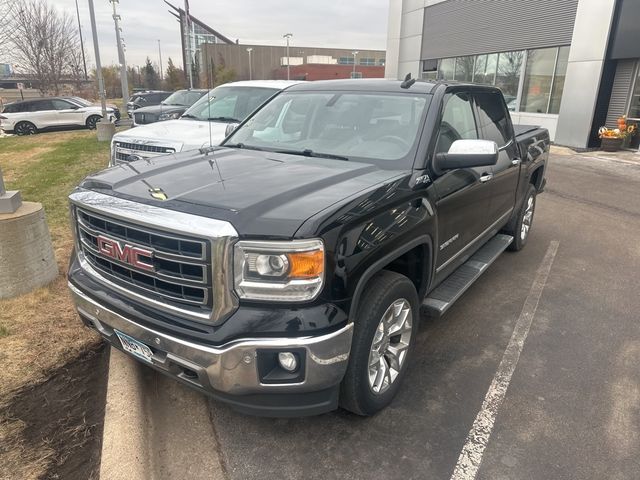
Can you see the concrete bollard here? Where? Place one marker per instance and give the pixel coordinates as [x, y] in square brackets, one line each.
[27, 261]
[105, 131]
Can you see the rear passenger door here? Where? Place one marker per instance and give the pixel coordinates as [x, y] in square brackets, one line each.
[494, 124]
[41, 113]
[463, 196]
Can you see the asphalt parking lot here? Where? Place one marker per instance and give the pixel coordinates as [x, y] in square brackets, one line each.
[572, 408]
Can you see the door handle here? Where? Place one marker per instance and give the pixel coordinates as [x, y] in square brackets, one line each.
[515, 162]
[486, 177]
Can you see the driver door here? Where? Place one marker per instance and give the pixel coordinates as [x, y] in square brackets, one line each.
[67, 113]
[463, 196]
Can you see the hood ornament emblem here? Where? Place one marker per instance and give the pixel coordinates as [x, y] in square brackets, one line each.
[158, 194]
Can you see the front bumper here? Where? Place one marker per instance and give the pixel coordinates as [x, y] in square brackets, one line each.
[231, 372]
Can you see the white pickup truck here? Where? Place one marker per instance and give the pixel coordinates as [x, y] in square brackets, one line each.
[202, 125]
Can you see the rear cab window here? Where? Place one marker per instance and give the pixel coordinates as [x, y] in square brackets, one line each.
[493, 120]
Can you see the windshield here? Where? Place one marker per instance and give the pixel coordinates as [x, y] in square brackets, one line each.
[182, 97]
[80, 101]
[229, 104]
[378, 127]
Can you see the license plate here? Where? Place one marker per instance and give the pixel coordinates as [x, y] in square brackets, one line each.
[135, 347]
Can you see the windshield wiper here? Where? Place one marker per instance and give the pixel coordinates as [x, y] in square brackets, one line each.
[241, 145]
[224, 119]
[188, 115]
[307, 152]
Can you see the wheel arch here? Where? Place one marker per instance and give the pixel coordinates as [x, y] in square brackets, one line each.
[421, 246]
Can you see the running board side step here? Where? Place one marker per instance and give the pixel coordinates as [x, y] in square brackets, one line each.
[443, 296]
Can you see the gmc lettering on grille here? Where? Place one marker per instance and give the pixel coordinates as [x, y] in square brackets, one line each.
[125, 253]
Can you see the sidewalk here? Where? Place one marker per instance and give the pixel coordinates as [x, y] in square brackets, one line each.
[623, 156]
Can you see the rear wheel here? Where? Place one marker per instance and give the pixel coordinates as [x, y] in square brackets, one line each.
[25, 128]
[520, 226]
[384, 334]
[92, 120]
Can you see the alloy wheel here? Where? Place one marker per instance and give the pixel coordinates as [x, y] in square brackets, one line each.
[24, 128]
[527, 219]
[390, 346]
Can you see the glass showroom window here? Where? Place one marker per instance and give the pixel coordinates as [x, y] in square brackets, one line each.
[367, 61]
[508, 75]
[464, 69]
[484, 71]
[446, 68]
[544, 80]
[536, 91]
[558, 79]
[634, 107]
[345, 61]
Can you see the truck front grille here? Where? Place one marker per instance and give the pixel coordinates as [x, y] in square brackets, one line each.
[181, 265]
[126, 151]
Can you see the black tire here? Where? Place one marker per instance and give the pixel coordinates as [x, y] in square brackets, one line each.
[92, 120]
[515, 229]
[25, 128]
[382, 291]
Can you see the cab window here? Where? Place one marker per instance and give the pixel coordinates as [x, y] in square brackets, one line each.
[492, 117]
[458, 122]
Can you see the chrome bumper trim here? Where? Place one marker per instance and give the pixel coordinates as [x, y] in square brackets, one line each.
[230, 368]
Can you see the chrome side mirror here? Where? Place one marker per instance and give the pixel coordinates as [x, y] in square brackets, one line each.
[468, 154]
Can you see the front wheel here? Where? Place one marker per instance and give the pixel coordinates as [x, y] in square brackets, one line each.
[385, 329]
[25, 128]
[92, 121]
[520, 226]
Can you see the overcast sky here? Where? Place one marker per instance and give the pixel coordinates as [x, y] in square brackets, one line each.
[332, 23]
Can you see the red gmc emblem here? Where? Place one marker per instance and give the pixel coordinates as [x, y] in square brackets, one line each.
[125, 253]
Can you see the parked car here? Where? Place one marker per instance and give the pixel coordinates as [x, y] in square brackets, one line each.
[145, 99]
[86, 103]
[170, 108]
[283, 272]
[203, 124]
[28, 117]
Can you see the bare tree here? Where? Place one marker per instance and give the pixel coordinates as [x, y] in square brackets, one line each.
[44, 41]
[7, 15]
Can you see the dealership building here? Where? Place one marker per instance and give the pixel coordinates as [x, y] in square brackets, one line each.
[568, 65]
[209, 48]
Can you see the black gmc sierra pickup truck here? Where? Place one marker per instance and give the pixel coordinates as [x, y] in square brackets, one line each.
[284, 271]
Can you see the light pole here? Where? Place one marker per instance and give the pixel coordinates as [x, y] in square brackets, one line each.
[84, 60]
[355, 54]
[92, 15]
[249, 50]
[124, 82]
[160, 55]
[288, 36]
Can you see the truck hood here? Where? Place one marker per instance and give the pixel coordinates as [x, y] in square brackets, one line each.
[261, 194]
[159, 109]
[181, 134]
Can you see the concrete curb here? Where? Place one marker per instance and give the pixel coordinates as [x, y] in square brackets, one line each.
[155, 428]
[123, 439]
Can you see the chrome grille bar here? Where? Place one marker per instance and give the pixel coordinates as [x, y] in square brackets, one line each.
[192, 255]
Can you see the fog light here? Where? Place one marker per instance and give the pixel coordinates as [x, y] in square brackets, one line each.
[288, 361]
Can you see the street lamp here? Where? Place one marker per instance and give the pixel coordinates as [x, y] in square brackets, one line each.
[249, 50]
[288, 36]
[355, 54]
[121, 59]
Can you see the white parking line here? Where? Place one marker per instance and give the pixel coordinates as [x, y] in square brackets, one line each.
[478, 437]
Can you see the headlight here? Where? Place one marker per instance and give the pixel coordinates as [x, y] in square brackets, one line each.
[168, 116]
[289, 271]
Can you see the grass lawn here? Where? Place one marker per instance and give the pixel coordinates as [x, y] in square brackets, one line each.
[40, 331]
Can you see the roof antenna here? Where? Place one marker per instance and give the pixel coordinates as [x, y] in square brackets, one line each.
[408, 81]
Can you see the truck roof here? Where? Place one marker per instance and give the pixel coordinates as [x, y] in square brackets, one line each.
[382, 85]
[281, 84]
